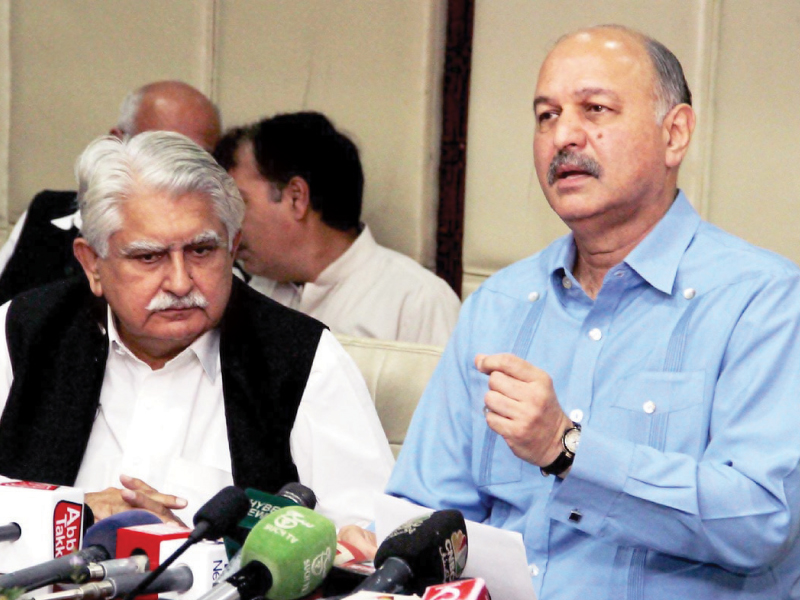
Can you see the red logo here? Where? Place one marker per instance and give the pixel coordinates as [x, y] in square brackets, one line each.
[67, 523]
[31, 485]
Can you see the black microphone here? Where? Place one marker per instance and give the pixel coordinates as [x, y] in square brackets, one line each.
[215, 518]
[423, 551]
[10, 532]
[100, 544]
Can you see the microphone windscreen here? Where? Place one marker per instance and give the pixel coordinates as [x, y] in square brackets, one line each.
[297, 546]
[221, 514]
[104, 532]
[299, 494]
[434, 546]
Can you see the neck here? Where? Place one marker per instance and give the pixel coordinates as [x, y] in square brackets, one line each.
[601, 246]
[325, 248]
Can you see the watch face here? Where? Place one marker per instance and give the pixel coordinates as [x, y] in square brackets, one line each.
[571, 439]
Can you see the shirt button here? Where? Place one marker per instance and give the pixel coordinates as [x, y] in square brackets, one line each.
[533, 296]
[595, 334]
[619, 273]
[689, 293]
[533, 569]
[575, 516]
[566, 282]
[649, 407]
[576, 415]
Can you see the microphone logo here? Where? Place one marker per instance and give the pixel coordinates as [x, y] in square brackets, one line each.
[67, 522]
[454, 555]
[289, 519]
[322, 563]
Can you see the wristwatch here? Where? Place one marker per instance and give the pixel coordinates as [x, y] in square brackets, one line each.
[569, 441]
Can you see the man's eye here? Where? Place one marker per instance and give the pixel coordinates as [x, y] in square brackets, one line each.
[147, 258]
[597, 108]
[545, 116]
[201, 251]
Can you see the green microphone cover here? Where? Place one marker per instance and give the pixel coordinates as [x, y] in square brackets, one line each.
[297, 545]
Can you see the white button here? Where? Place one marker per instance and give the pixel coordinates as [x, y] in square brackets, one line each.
[649, 407]
[533, 569]
[533, 296]
[595, 334]
[689, 293]
[566, 282]
[576, 415]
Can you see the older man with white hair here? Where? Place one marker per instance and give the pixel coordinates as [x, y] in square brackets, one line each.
[164, 368]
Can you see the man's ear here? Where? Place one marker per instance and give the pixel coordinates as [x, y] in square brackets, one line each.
[117, 132]
[90, 262]
[237, 239]
[299, 195]
[677, 129]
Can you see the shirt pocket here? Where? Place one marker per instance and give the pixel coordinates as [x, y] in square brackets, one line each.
[663, 410]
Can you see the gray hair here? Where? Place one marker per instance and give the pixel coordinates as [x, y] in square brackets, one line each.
[128, 111]
[111, 170]
[671, 86]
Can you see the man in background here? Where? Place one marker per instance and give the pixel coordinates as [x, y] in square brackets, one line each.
[39, 249]
[305, 245]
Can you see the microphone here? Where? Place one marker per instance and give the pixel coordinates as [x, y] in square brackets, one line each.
[215, 518]
[103, 538]
[178, 579]
[49, 521]
[423, 551]
[464, 589]
[286, 556]
[10, 532]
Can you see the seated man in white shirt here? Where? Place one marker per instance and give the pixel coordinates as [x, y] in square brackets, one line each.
[168, 370]
[302, 183]
[39, 249]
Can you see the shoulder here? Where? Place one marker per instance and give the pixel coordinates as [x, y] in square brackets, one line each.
[54, 204]
[402, 272]
[528, 275]
[725, 259]
[251, 313]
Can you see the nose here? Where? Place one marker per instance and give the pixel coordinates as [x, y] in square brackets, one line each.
[569, 131]
[178, 279]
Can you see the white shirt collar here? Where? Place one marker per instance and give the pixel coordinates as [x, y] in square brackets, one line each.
[205, 348]
[68, 222]
[359, 252]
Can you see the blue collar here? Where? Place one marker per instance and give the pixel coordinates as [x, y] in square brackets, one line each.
[657, 257]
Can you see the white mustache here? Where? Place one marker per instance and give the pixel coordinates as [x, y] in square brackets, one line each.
[166, 301]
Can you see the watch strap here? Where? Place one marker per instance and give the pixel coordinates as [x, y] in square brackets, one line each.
[565, 459]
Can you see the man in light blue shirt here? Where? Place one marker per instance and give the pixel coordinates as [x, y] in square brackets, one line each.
[628, 398]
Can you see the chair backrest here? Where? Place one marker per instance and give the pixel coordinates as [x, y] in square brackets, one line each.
[396, 374]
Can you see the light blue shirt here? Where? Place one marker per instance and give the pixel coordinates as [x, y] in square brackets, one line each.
[684, 373]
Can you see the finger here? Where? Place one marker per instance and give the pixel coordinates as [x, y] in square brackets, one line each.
[168, 500]
[141, 500]
[509, 364]
[132, 483]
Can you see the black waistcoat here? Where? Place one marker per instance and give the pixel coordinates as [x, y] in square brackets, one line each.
[43, 253]
[59, 347]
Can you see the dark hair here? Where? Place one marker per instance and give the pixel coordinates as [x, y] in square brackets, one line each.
[228, 144]
[306, 145]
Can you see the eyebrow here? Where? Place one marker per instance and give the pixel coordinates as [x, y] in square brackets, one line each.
[151, 247]
[582, 94]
